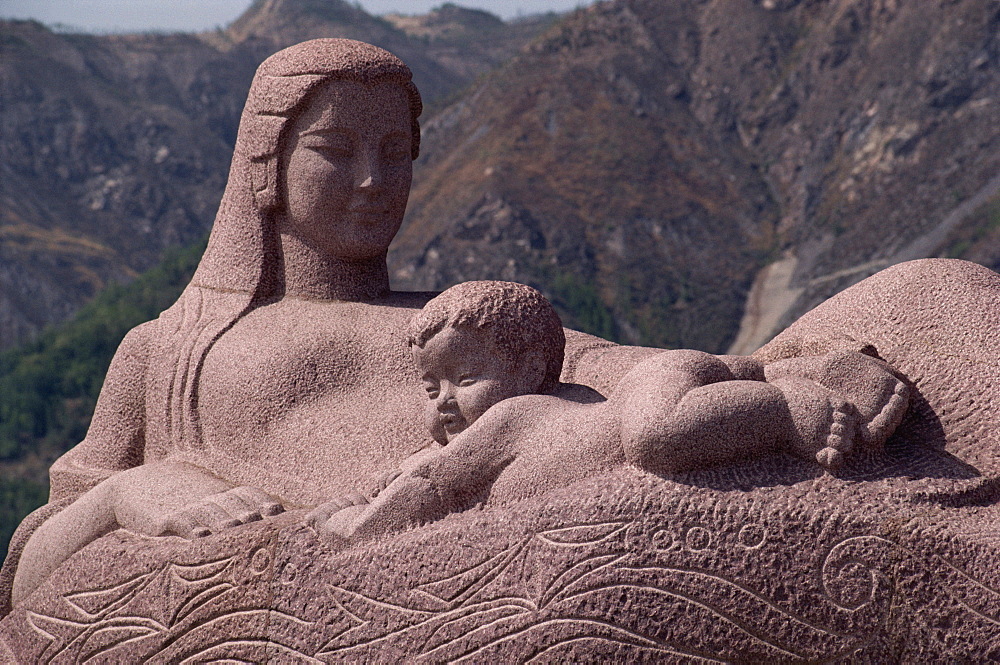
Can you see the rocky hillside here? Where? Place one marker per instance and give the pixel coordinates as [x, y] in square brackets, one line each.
[580, 167]
[653, 159]
[693, 172]
[114, 148]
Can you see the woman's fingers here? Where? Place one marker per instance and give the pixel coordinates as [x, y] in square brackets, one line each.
[318, 516]
[216, 517]
[184, 524]
[258, 500]
[221, 511]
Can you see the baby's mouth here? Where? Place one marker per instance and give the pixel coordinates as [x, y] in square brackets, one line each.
[451, 422]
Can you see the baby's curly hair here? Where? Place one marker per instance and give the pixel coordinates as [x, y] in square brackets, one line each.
[518, 318]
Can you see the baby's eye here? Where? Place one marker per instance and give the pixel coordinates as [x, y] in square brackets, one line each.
[432, 391]
[466, 381]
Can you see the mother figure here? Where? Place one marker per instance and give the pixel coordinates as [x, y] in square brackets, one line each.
[281, 377]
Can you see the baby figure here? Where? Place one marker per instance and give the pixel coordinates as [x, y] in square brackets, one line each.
[490, 356]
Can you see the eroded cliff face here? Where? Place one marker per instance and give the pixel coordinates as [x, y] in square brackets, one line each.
[692, 173]
[114, 148]
[667, 153]
[875, 124]
[102, 168]
[581, 168]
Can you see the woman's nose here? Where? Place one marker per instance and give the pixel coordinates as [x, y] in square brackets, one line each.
[369, 173]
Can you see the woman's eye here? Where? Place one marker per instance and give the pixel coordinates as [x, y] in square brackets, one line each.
[396, 151]
[432, 392]
[334, 151]
[466, 381]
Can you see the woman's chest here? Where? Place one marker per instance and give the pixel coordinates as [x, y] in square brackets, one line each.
[276, 360]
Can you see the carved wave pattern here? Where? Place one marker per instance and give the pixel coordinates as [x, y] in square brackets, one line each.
[593, 596]
[618, 589]
[96, 622]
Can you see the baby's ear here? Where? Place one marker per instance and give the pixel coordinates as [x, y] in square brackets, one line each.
[531, 372]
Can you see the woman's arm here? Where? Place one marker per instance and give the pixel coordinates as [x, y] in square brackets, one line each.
[114, 442]
[59, 537]
[116, 438]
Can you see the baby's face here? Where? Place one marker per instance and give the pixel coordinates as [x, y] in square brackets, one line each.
[463, 376]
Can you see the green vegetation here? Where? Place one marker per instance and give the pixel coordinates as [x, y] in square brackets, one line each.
[48, 388]
[18, 497]
[580, 306]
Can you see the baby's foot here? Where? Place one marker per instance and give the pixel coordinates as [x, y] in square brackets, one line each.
[879, 427]
[840, 440]
[879, 397]
[824, 425]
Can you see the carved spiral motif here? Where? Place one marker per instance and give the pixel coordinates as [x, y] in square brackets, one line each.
[854, 571]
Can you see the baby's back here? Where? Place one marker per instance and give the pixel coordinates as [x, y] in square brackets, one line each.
[551, 442]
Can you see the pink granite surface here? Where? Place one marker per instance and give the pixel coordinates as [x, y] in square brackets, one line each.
[831, 497]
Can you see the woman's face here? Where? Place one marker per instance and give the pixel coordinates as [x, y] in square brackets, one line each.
[347, 169]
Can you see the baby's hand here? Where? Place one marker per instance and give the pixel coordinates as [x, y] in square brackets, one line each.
[220, 511]
[334, 517]
[385, 481]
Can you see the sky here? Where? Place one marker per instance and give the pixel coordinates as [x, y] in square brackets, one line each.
[191, 15]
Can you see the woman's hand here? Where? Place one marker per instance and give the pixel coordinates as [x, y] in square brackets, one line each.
[176, 498]
[220, 511]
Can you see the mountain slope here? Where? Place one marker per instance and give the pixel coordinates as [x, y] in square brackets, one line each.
[94, 182]
[580, 168]
[114, 148]
[852, 135]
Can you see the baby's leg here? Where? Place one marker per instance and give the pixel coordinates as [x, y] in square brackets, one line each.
[711, 425]
[879, 397]
[824, 425]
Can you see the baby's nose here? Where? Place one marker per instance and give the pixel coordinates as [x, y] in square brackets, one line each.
[446, 397]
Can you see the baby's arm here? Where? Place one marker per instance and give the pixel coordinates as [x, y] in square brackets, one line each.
[451, 479]
[410, 462]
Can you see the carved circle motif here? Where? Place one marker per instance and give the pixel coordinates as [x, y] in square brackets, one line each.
[289, 573]
[698, 538]
[260, 561]
[752, 536]
[663, 539]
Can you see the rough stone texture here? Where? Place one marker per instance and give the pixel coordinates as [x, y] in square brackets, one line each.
[281, 378]
[622, 566]
[894, 559]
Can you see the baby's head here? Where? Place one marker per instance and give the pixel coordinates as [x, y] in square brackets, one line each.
[479, 343]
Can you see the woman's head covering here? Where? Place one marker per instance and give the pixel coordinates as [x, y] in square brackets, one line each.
[242, 246]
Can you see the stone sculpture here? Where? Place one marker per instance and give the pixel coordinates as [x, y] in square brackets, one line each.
[832, 496]
[490, 356]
